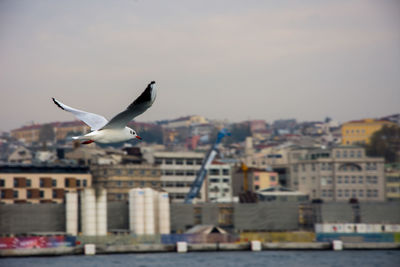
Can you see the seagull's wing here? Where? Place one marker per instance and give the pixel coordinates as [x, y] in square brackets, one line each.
[93, 120]
[140, 105]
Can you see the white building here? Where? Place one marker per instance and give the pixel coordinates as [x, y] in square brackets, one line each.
[219, 182]
[179, 169]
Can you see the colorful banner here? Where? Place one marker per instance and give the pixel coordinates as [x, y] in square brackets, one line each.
[36, 242]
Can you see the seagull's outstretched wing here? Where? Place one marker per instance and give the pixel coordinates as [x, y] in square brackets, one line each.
[140, 105]
[93, 120]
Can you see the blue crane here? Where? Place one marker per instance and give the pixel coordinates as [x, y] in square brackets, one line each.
[196, 186]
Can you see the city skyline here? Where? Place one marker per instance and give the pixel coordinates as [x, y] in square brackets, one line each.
[226, 60]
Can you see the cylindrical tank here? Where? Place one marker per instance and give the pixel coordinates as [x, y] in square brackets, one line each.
[88, 208]
[71, 213]
[163, 213]
[136, 211]
[149, 220]
[101, 211]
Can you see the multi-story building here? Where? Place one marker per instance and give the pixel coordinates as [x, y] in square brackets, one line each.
[219, 182]
[27, 134]
[392, 175]
[337, 174]
[41, 183]
[63, 129]
[179, 169]
[360, 131]
[119, 179]
[257, 179]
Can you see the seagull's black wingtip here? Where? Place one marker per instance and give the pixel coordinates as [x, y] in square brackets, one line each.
[58, 104]
[152, 82]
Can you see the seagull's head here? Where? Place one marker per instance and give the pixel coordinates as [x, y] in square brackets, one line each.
[133, 134]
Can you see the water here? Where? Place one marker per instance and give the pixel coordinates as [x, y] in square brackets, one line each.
[244, 258]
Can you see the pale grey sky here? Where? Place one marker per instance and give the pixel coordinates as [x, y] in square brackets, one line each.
[233, 60]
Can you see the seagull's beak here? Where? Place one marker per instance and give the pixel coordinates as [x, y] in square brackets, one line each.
[138, 137]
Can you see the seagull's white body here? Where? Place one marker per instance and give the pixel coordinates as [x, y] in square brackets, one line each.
[115, 130]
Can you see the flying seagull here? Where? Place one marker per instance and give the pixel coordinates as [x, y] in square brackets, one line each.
[115, 130]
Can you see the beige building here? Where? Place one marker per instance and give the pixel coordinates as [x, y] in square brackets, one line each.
[337, 174]
[257, 179]
[41, 184]
[392, 174]
[119, 179]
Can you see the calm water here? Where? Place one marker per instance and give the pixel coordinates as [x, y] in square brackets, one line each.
[193, 259]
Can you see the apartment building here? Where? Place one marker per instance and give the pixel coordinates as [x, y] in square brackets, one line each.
[257, 179]
[360, 131]
[179, 169]
[392, 175]
[337, 174]
[41, 183]
[219, 182]
[119, 179]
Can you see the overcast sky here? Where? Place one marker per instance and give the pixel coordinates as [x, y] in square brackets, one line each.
[234, 60]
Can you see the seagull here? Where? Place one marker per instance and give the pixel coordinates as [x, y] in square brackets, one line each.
[115, 130]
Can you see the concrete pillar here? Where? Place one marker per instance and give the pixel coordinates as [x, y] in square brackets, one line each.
[181, 247]
[337, 245]
[101, 212]
[255, 245]
[71, 213]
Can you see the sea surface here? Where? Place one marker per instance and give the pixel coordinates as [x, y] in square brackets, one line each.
[243, 258]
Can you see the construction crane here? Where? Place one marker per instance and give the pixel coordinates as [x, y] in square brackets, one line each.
[198, 182]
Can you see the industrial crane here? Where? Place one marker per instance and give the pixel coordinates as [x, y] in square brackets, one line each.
[198, 182]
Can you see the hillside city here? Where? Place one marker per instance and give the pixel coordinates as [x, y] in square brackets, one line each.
[320, 161]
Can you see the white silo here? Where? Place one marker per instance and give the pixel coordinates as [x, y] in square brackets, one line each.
[149, 222]
[101, 211]
[136, 211]
[71, 213]
[88, 212]
[164, 226]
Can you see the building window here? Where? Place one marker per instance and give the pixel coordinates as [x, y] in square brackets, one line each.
[2, 183]
[190, 173]
[375, 193]
[225, 171]
[353, 179]
[225, 180]
[29, 194]
[199, 161]
[131, 183]
[179, 161]
[169, 172]
[28, 183]
[360, 179]
[338, 154]
[339, 179]
[16, 184]
[41, 194]
[257, 178]
[354, 193]
[131, 172]
[359, 154]
[214, 180]
[168, 161]
[54, 194]
[346, 179]
[158, 161]
[154, 173]
[351, 154]
[15, 194]
[344, 154]
[340, 193]
[324, 193]
[361, 193]
[189, 162]
[78, 183]
[256, 187]
[179, 173]
[330, 192]
[214, 172]
[119, 183]
[54, 182]
[369, 193]
[346, 193]
[84, 183]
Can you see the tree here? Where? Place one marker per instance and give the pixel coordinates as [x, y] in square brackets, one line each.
[385, 143]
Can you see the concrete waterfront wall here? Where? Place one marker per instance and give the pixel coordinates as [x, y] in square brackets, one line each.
[27, 218]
